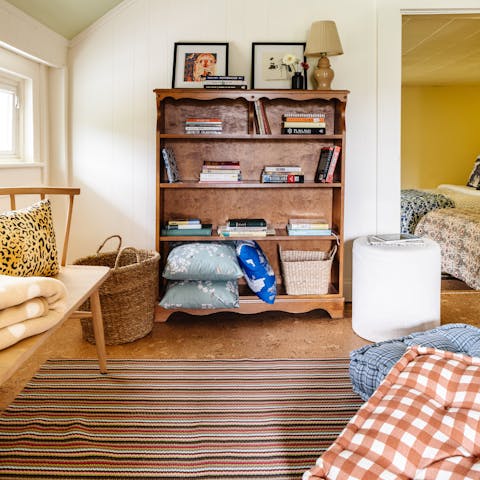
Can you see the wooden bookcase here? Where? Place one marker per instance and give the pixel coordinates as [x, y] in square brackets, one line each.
[216, 202]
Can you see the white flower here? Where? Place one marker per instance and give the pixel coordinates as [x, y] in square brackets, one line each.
[290, 61]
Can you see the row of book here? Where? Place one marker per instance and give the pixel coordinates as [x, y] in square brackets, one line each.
[299, 123]
[208, 126]
[226, 171]
[225, 82]
[327, 163]
[282, 174]
[245, 227]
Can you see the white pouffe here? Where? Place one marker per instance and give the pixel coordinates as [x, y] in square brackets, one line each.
[395, 289]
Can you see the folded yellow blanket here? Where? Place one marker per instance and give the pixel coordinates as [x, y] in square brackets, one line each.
[28, 306]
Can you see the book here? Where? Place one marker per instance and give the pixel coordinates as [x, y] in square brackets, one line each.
[313, 224]
[326, 154]
[395, 239]
[333, 164]
[191, 226]
[320, 118]
[224, 231]
[203, 127]
[212, 177]
[219, 164]
[204, 132]
[304, 124]
[217, 170]
[304, 131]
[282, 178]
[303, 115]
[184, 221]
[170, 164]
[205, 231]
[208, 120]
[226, 87]
[309, 231]
[246, 222]
[282, 168]
[225, 77]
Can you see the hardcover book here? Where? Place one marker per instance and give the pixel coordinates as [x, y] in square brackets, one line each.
[170, 164]
[326, 154]
[309, 231]
[247, 222]
[205, 231]
[303, 131]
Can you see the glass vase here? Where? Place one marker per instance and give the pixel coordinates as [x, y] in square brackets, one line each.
[297, 81]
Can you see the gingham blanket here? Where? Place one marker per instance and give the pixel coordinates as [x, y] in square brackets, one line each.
[423, 422]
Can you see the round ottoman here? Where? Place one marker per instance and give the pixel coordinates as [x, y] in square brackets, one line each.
[395, 288]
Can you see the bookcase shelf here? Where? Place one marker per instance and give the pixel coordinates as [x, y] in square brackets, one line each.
[215, 202]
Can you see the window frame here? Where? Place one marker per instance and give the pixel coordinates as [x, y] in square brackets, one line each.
[15, 84]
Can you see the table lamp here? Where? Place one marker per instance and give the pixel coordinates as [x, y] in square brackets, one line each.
[323, 41]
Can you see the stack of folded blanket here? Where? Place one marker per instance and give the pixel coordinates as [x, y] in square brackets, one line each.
[29, 306]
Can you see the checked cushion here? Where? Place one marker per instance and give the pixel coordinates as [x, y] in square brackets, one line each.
[423, 422]
[370, 364]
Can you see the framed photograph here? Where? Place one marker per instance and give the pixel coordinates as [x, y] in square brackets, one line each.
[192, 62]
[268, 67]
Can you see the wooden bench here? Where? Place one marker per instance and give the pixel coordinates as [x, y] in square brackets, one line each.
[82, 283]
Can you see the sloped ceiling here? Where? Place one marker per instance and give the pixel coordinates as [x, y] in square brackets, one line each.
[441, 49]
[66, 17]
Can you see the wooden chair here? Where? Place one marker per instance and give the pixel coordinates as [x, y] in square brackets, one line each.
[82, 283]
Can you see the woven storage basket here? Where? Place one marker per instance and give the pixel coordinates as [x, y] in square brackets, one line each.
[128, 296]
[306, 272]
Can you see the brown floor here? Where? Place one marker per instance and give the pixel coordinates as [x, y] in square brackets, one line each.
[225, 335]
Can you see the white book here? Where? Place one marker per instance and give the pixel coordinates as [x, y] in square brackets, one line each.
[282, 168]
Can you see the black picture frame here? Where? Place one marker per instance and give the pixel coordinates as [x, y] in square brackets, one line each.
[186, 56]
[263, 63]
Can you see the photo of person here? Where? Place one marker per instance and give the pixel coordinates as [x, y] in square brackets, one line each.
[199, 65]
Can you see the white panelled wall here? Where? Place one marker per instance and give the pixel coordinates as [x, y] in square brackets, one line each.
[113, 67]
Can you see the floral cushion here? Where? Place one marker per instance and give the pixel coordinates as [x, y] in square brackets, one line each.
[474, 179]
[258, 272]
[202, 261]
[201, 294]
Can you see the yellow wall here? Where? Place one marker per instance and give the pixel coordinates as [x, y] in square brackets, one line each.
[440, 134]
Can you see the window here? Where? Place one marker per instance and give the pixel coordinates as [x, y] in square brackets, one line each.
[11, 114]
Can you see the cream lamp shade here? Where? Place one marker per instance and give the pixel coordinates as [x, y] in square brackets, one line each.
[323, 41]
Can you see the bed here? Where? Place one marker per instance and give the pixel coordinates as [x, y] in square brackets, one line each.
[449, 215]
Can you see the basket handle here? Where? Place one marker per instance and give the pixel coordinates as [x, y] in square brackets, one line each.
[107, 239]
[333, 251]
[123, 250]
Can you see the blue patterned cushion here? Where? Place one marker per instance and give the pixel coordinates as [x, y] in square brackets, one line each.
[370, 364]
[202, 261]
[201, 294]
[258, 272]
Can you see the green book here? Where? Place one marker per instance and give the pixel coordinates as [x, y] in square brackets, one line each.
[205, 231]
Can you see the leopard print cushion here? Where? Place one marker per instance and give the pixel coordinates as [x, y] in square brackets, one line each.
[27, 242]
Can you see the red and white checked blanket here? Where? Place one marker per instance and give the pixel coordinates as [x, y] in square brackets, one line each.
[423, 422]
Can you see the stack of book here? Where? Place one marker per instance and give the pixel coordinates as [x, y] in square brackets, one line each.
[304, 123]
[244, 227]
[283, 174]
[308, 226]
[208, 126]
[187, 227]
[226, 171]
[223, 82]
[327, 163]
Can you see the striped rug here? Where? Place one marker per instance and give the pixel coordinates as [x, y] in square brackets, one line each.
[176, 419]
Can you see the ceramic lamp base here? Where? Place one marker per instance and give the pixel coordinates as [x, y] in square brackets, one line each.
[323, 74]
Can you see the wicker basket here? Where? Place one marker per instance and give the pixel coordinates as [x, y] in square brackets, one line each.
[306, 272]
[128, 296]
